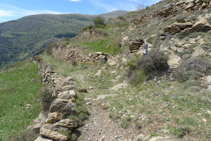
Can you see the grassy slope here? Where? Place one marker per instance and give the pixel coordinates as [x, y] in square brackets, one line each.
[18, 98]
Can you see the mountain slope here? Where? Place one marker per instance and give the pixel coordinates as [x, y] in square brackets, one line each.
[29, 35]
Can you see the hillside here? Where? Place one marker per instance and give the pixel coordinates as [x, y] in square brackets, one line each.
[19, 98]
[114, 14]
[29, 35]
[144, 76]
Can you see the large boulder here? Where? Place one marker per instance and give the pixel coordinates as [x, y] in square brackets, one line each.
[67, 95]
[54, 117]
[62, 106]
[174, 60]
[66, 123]
[51, 132]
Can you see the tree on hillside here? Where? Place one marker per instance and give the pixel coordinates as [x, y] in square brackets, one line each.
[99, 22]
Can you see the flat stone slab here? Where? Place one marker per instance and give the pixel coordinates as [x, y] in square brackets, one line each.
[102, 97]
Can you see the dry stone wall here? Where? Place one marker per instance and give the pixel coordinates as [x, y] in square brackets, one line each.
[74, 54]
[54, 124]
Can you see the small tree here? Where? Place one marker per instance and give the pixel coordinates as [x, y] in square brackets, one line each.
[99, 22]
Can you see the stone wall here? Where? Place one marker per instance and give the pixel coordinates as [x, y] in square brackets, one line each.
[74, 54]
[54, 124]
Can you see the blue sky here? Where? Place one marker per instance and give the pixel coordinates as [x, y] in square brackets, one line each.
[14, 9]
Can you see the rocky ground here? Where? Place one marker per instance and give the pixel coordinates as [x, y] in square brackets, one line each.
[99, 127]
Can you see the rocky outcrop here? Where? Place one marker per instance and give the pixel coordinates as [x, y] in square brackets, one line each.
[135, 45]
[55, 124]
[177, 27]
[182, 5]
[187, 27]
[201, 26]
[174, 7]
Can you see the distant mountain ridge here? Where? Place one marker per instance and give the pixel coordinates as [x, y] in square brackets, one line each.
[27, 36]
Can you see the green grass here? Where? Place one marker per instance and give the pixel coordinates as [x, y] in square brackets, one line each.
[179, 110]
[19, 87]
[105, 45]
[61, 67]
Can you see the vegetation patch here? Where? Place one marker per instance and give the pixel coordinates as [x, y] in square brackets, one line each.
[193, 69]
[19, 98]
[107, 46]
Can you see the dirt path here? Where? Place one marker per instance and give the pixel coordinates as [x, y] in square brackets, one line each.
[100, 128]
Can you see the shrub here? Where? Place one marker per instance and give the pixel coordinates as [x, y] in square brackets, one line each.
[193, 69]
[49, 48]
[136, 77]
[88, 27]
[155, 62]
[99, 22]
[46, 99]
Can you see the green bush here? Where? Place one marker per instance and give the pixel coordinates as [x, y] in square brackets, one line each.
[88, 27]
[154, 63]
[192, 69]
[136, 77]
[99, 22]
[49, 48]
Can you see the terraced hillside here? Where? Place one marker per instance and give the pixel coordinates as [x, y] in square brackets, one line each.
[143, 76]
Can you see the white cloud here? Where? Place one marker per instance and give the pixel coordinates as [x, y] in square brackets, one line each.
[75, 0]
[8, 12]
[5, 13]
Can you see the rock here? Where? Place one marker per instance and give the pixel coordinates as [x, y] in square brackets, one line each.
[102, 138]
[177, 27]
[41, 118]
[140, 137]
[67, 95]
[158, 138]
[37, 127]
[54, 117]
[91, 88]
[136, 44]
[201, 26]
[197, 52]
[69, 78]
[62, 106]
[42, 139]
[119, 86]
[124, 60]
[49, 131]
[174, 60]
[102, 97]
[112, 62]
[209, 87]
[209, 80]
[83, 90]
[66, 123]
[180, 20]
[99, 72]
[68, 88]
